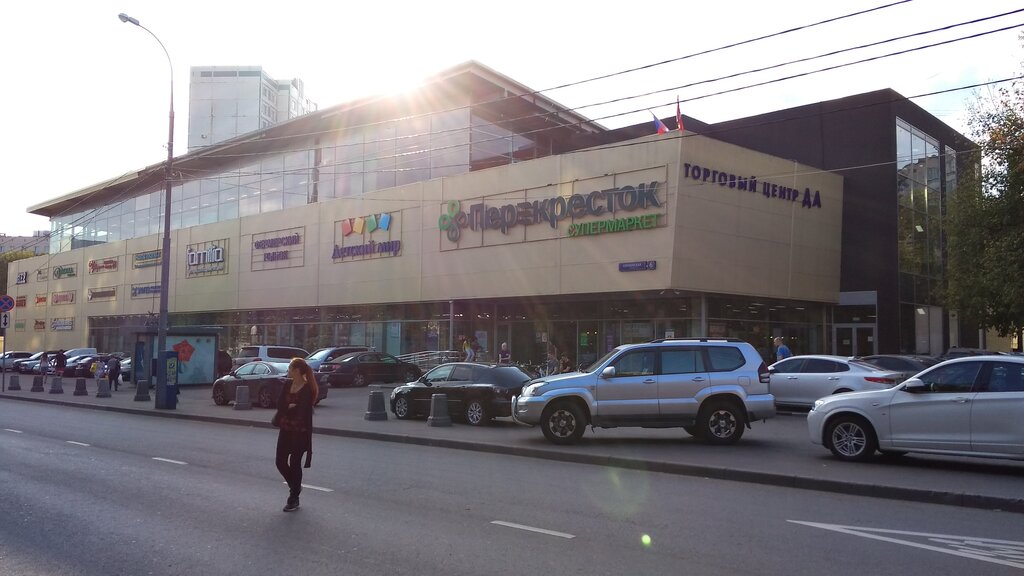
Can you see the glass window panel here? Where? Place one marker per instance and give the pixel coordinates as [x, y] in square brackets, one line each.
[291, 200]
[228, 210]
[211, 199]
[920, 197]
[228, 191]
[249, 205]
[143, 201]
[175, 222]
[208, 214]
[296, 160]
[903, 151]
[189, 190]
[325, 188]
[176, 207]
[208, 185]
[273, 183]
[917, 149]
[271, 201]
[189, 218]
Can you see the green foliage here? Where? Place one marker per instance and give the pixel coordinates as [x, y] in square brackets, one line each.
[985, 217]
[5, 259]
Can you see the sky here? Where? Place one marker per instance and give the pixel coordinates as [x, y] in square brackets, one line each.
[88, 96]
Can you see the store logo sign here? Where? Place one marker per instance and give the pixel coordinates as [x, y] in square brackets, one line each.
[151, 290]
[104, 265]
[62, 324]
[42, 275]
[40, 325]
[22, 278]
[40, 299]
[278, 249]
[65, 271]
[206, 259]
[20, 301]
[99, 294]
[63, 297]
[147, 259]
[366, 236]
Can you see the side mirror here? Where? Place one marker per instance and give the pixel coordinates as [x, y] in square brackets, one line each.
[771, 370]
[915, 385]
[608, 372]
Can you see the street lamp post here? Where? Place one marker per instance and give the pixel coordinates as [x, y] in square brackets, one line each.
[162, 398]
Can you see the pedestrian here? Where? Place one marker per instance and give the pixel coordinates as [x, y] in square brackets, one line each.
[551, 363]
[781, 350]
[223, 363]
[294, 418]
[565, 365]
[467, 350]
[44, 366]
[60, 363]
[504, 356]
[114, 372]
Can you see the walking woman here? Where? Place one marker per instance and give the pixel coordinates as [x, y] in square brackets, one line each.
[295, 419]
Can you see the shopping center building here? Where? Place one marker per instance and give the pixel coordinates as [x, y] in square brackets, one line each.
[476, 206]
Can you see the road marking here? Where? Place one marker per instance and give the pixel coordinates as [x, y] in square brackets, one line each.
[76, 443]
[1005, 552]
[171, 461]
[311, 487]
[13, 430]
[532, 529]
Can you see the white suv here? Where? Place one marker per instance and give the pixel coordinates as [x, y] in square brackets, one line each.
[267, 354]
[712, 388]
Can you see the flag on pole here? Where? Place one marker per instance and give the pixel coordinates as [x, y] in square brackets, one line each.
[679, 116]
[659, 125]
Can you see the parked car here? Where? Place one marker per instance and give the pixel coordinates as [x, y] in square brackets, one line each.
[362, 368]
[82, 367]
[479, 392]
[267, 354]
[960, 352]
[800, 380]
[70, 366]
[968, 406]
[327, 354]
[8, 359]
[265, 381]
[906, 364]
[126, 369]
[712, 388]
[31, 364]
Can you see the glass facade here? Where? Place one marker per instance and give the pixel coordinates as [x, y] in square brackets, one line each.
[347, 163]
[920, 174]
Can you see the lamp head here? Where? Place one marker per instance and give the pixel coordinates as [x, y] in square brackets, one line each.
[126, 18]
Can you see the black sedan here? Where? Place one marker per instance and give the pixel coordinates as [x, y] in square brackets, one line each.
[264, 379]
[478, 392]
[362, 368]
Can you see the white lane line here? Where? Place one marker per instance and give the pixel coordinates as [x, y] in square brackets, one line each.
[532, 529]
[311, 487]
[76, 443]
[171, 461]
[13, 430]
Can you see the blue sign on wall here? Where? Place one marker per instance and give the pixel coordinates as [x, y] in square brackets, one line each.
[638, 266]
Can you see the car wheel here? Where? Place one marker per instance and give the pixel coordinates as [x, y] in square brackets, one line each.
[563, 423]
[851, 438]
[693, 430]
[721, 422]
[401, 408]
[410, 375]
[476, 413]
[265, 398]
[220, 398]
[359, 380]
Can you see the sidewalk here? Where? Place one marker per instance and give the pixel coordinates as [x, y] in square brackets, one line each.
[776, 452]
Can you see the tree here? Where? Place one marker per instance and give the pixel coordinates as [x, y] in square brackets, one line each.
[985, 217]
[8, 257]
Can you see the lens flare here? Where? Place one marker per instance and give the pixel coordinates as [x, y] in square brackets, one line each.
[646, 540]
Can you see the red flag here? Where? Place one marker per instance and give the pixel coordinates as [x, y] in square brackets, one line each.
[679, 116]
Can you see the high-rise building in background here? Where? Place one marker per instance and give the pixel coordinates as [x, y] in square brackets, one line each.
[38, 243]
[228, 101]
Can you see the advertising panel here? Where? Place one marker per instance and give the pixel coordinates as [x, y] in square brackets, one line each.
[206, 259]
[279, 249]
[103, 265]
[366, 237]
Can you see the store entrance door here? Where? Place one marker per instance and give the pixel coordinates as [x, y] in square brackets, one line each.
[854, 339]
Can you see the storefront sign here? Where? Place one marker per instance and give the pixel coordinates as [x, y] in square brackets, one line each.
[367, 236]
[42, 275]
[40, 299]
[65, 271]
[147, 259]
[151, 290]
[100, 294]
[638, 266]
[22, 278]
[206, 259]
[104, 265]
[62, 324]
[63, 298]
[278, 249]
[19, 325]
[551, 211]
[724, 179]
[644, 222]
[40, 325]
[20, 301]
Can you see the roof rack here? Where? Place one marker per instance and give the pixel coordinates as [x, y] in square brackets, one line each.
[697, 339]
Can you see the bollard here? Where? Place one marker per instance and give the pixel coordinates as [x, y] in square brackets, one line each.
[37, 384]
[80, 389]
[439, 411]
[102, 388]
[57, 385]
[375, 406]
[142, 391]
[242, 398]
[14, 384]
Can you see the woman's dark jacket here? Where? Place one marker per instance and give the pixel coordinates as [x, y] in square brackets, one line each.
[303, 412]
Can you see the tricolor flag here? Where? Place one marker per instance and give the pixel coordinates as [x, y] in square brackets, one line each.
[679, 116]
[659, 125]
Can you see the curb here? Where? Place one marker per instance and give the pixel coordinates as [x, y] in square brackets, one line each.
[978, 501]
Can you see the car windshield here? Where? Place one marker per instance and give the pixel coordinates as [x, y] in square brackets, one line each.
[600, 361]
[320, 354]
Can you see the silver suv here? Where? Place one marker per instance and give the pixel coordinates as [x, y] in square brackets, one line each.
[712, 388]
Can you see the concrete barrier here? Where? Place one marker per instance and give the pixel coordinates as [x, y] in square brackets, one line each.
[242, 401]
[14, 384]
[37, 384]
[142, 391]
[375, 406]
[57, 385]
[439, 411]
[80, 389]
[102, 388]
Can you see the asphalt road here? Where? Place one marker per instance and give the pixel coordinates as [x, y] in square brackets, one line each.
[86, 492]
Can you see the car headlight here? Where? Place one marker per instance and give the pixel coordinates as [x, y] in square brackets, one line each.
[533, 389]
